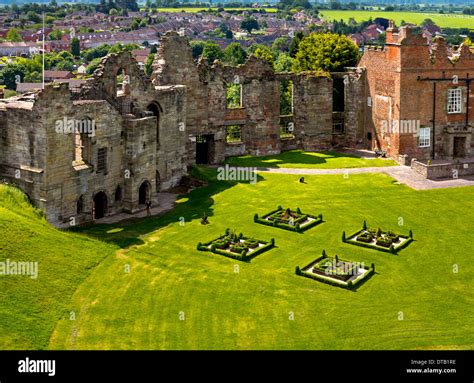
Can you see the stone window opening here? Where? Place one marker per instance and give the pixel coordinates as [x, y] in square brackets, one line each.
[424, 137]
[83, 131]
[338, 126]
[234, 134]
[454, 100]
[118, 193]
[80, 205]
[122, 82]
[286, 98]
[338, 99]
[155, 108]
[102, 160]
[233, 96]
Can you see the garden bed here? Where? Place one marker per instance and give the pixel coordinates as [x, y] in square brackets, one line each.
[337, 272]
[293, 220]
[236, 246]
[379, 239]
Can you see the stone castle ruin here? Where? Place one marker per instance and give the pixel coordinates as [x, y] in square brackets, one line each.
[123, 138]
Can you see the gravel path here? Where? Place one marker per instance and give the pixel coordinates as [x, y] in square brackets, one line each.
[403, 174]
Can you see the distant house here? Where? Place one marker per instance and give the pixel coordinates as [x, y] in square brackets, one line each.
[52, 75]
[17, 48]
[82, 69]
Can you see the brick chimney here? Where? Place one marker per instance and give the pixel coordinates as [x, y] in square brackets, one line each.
[391, 33]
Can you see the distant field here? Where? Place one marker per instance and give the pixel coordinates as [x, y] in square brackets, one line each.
[452, 21]
[195, 10]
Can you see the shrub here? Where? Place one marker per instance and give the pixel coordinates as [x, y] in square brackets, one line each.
[379, 232]
[298, 270]
[199, 246]
[255, 218]
[343, 236]
[324, 253]
[384, 242]
[373, 266]
[272, 241]
[320, 216]
[392, 249]
[298, 210]
[297, 228]
[364, 226]
[227, 231]
[213, 248]
[411, 234]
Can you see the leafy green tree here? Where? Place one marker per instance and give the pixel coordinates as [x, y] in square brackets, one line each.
[33, 16]
[93, 66]
[248, 24]
[325, 51]
[149, 64]
[295, 42]
[234, 54]
[56, 34]
[212, 52]
[13, 35]
[197, 47]
[12, 73]
[262, 51]
[283, 63]
[281, 44]
[75, 47]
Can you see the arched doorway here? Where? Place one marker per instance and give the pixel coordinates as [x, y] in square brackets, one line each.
[100, 205]
[144, 192]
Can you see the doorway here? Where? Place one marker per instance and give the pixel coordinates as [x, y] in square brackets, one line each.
[100, 205]
[204, 147]
[459, 147]
[144, 193]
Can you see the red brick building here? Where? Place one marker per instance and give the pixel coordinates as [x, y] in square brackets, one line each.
[419, 98]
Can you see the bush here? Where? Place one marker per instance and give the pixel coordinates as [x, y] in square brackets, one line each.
[298, 210]
[199, 246]
[255, 218]
[411, 234]
[384, 242]
[343, 236]
[298, 270]
[364, 225]
[272, 241]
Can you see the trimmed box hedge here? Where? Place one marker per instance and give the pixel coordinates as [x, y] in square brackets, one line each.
[296, 227]
[243, 255]
[333, 282]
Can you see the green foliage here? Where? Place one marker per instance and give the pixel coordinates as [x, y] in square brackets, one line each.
[55, 34]
[249, 23]
[325, 51]
[233, 96]
[13, 35]
[93, 66]
[212, 51]
[149, 64]
[75, 47]
[262, 51]
[283, 63]
[234, 54]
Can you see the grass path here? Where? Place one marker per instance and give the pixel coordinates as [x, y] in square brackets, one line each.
[175, 297]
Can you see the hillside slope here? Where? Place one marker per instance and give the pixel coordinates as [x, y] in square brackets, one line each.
[30, 308]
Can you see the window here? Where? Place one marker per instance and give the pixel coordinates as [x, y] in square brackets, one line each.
[102, 160]
[234, 96]
[455, 100]
[338, 104]
[80, 205]
[118, 194]
[83, 131]
[287, 129]
[338, 126]
[234, 134]
[424, 137]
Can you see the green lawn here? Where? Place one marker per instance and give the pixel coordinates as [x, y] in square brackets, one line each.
[301, 159]
[175, 297]
[444, 21]
[30, 308]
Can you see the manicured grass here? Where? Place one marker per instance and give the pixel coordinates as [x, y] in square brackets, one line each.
[175, 297]
[301, 159]
[30, 308]
[443, 21]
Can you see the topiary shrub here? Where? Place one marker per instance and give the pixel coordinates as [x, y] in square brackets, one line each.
[298, 270]
[272, 241]
[373, 266]
[364, 225]
[298, 210]
[199, 246]
[255, 218]
[411, 234]
[324, 253]
[227, 231]
[343, 236]
[320, 216]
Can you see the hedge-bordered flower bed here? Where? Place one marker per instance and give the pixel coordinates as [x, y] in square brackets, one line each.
[270, 219]
[334, 280]
[247, 248]
[384, 239]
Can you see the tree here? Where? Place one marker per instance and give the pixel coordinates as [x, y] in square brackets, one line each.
[75, 47]
[248, 24]
[234, 54]
[281, 44]
[92, 66]
[197, 47]
[149, 64]
[13, 35]
[33, 16]
[283, 63]
[264, 52]
[212, 51]
[295, 42]
[11, 74]
[325, 51]
[56, 34]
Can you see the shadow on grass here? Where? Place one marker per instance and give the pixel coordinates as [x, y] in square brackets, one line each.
[363, 282]
[290, 157]
[128, 233]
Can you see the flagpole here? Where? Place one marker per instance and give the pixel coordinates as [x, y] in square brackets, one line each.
[43, 50]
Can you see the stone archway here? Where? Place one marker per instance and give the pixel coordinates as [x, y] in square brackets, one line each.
[144, 193]
[100, 205]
